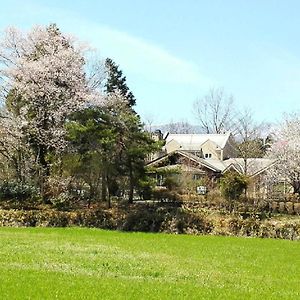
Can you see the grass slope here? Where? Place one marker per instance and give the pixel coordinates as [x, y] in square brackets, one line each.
[77, 263]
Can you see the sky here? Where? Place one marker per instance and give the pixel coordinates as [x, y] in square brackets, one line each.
[172, 51]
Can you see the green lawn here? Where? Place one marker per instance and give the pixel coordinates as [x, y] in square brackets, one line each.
[76, 263]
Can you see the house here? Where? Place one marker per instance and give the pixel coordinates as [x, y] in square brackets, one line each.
[212, 146]
[210, 155]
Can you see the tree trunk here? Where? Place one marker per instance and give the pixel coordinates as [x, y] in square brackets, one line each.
[42, 160]
[245, 166]
[296, 186]
[108, 193]
[131, 183]
[103, 186]
[44, 171]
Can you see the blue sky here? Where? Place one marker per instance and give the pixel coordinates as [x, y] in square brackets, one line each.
[173, 52]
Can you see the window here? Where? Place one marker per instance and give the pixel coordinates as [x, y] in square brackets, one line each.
[196, 177]
[207, 155]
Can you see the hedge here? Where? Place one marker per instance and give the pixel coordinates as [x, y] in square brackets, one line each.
[156, 219]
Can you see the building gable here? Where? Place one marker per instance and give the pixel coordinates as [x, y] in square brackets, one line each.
[211, 150]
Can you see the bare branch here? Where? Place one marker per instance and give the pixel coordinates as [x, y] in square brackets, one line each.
[215, 111]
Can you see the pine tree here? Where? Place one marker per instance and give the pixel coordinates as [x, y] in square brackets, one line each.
[116, 81]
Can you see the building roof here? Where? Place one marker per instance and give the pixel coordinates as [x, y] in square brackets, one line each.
[255, 166]
[182, 168]
[195, 141]
[189, 156]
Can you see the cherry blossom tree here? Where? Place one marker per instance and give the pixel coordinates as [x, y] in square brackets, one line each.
[43, 81]
[14, 151]
[286, 150]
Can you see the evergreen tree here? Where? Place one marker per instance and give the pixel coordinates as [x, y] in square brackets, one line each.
[112, 134]
[137, 145]
[116, 81]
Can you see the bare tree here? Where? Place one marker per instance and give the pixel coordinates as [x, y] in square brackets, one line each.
[182, 127]
[215, 111]
[148, 121]
[250, 138]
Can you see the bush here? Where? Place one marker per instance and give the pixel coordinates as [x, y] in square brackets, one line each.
[215, 198]
[292, 197]
[171, 182]
[233, 185]
[62, 200]
[54, 218]
[154, 218]
[17, 191]
[191, 223]
[193, 198]
[297, 208]
[163, 194]
[149, 220]
[145, 188]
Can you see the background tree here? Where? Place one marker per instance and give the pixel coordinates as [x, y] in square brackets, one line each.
[181, 127]
[113, 134]
[232, 186]
[93, 137]
[250, 138]
[286, 152]
[138, 145]
[44, 81]
[134, 143]
[215, 111]
[47, 82]
[16, 157]
[116, 81]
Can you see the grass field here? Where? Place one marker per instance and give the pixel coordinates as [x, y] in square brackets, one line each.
[76, 263]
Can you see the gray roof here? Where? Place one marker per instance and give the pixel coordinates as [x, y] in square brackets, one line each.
[195, 141]
[183, 168]
[255, 166]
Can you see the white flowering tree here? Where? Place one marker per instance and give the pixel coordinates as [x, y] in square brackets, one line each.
[43, 81]
[286, 150]
[14, 152]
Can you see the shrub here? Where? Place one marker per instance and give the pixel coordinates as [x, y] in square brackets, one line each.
[192, 198]
[233, 185]
[192, 223]
[17, 191]
[149, 219]
[62, 200]
[297, 208]
[289, 207]
[163, 194]
[281, 207]
[145, 188]
[215, 198]
[156, 219]
[171, 182]
[292, 197]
